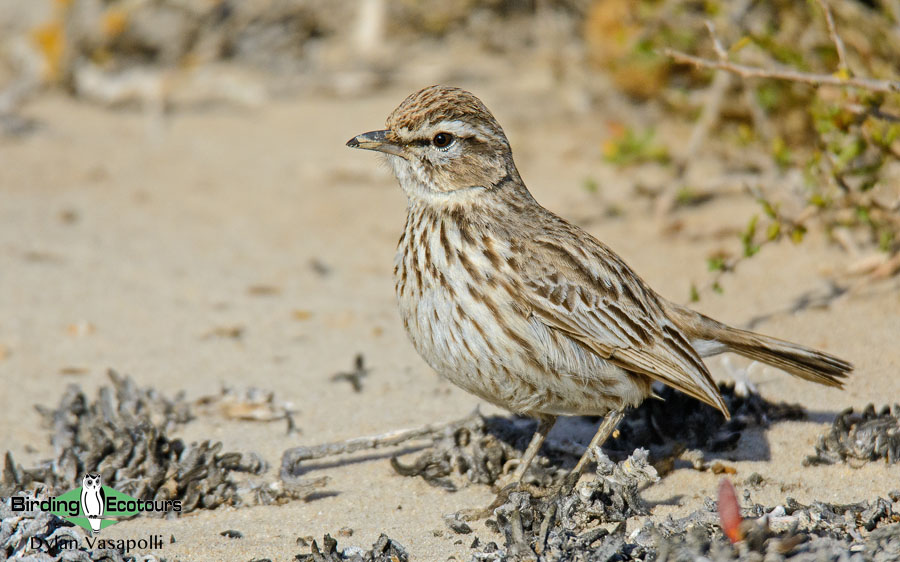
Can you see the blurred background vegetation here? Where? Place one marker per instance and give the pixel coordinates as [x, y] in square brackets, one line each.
[801, 99]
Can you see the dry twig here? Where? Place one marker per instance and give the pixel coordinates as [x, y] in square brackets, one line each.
[871, 84]
[835, 38]
[389, 439]
[841, 79]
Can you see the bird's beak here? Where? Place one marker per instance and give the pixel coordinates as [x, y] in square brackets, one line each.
[375, 140]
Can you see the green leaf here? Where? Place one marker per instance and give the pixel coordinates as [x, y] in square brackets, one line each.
[768, 95]
[769, 209]
[635, 148]
[747, 237]
[781, 153]
[817, 200]
[892, 134]
[740, 44]
[885, 240]
[849, 151]
[715, 263]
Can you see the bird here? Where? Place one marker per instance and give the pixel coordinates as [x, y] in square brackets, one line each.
[525, 310]
[93, 499]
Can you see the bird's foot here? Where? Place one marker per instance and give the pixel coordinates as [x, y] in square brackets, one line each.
[502, 497]
[483, 512]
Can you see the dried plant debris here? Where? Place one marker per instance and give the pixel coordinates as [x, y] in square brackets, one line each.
[858, 438]
[288, 487]
[540, 525]
[41, 536]
[480, 450]
[612, 496]
[356, 376]
[574, 525]
[540, 531]
[477, 453]
[253, 404]
[124, 436]
[385, 549]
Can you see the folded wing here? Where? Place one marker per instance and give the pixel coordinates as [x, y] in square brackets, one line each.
[590, 295]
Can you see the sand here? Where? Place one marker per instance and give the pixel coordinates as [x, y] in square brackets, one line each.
[134, 247]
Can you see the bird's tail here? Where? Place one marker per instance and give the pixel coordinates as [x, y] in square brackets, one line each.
[798, 360]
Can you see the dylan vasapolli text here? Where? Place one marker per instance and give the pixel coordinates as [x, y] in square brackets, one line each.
[65, 543]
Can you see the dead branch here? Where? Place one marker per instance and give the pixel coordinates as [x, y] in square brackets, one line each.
[292, 457]
[871, 84]
[835, 38]
[717, 45]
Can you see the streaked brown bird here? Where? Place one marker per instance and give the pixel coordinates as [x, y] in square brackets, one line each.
[525, 310]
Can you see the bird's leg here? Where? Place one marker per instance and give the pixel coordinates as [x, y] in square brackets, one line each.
[610, 421]
[545, 424]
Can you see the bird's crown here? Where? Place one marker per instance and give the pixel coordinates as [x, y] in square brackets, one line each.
[435, 104]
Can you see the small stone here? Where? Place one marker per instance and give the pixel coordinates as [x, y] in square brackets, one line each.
[457, 525]
[755, 479]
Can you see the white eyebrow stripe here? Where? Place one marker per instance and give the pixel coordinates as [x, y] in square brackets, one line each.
[456, 128]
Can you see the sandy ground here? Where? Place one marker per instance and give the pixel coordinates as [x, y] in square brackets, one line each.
[124, 246]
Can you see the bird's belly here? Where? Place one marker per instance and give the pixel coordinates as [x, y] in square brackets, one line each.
[495, 350]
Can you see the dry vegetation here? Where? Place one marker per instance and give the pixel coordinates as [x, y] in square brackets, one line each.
[800, 81]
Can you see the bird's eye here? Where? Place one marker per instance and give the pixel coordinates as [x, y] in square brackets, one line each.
[442, 140]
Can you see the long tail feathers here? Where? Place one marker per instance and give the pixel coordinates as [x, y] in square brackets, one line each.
[796, 359]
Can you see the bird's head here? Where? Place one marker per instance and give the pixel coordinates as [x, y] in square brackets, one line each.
[442, 142]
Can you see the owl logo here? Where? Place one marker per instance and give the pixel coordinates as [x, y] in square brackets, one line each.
[92, 500]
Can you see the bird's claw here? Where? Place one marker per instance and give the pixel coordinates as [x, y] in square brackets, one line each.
[502, 496]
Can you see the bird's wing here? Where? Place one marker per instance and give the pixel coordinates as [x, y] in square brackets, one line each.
[591, 295]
